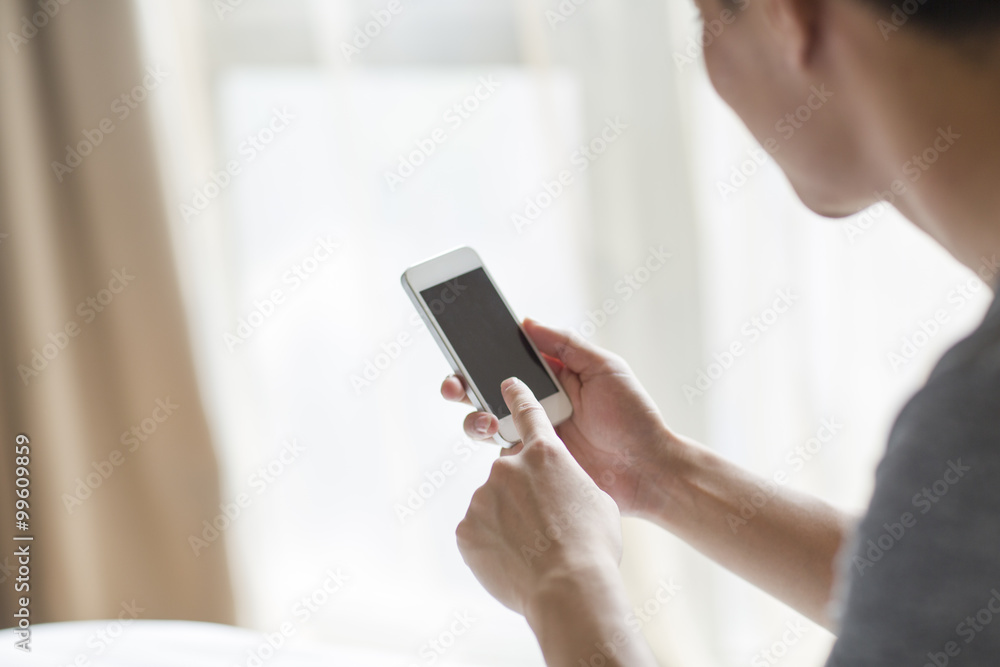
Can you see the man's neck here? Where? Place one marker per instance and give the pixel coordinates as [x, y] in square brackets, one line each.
[933, 130]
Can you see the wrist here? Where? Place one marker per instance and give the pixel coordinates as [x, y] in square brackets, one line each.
[661, 476]
[579, 616]
[580, 586]
[568, 583]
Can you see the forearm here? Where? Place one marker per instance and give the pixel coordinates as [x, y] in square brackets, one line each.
[782, 541]
[581, 615]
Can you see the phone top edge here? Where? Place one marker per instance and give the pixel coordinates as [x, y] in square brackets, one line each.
[442, 268]
[456, 251]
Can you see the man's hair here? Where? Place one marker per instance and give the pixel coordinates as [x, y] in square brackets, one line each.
[953, 18]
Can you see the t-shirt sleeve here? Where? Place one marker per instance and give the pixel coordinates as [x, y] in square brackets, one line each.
[924, 575]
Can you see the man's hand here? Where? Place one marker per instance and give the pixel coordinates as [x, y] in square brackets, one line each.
[539, 516]
[618, 437]
[544, 540]
[616, 432]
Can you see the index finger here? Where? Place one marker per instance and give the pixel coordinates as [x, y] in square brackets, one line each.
[529, 416]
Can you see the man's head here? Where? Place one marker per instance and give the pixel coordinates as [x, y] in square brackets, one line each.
[845, 89]
[947, 18]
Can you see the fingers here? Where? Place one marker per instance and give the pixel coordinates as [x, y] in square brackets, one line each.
[556, 365]
[574, 352]
[477, 425]
[453, 389]
[480, 425]
[529, 416]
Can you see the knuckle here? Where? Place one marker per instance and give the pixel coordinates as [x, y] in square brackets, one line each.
[568, 349]
[540, 449]
[526, 407]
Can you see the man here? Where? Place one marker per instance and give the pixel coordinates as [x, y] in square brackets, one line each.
[908, 77]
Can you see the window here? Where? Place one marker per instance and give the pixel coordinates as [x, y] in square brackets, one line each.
[308, 174]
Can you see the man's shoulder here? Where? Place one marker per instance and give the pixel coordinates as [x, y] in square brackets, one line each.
[977, 356]
[956, 415]
[925, 554]
[961, 399]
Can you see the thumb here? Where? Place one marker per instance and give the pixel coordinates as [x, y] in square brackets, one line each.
[529, 416]
[577, 354]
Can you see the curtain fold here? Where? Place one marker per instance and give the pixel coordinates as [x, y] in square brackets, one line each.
[97, 367]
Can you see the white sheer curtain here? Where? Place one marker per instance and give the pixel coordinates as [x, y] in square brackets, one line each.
[336, 366]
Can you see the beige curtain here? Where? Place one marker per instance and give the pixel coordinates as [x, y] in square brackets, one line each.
[96, 367]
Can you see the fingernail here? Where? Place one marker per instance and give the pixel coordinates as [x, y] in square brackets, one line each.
[483, 423]
[506, 384]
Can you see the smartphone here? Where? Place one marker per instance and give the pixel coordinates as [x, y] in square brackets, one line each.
[481, 337]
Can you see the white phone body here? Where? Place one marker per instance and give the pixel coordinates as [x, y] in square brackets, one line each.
[447, 272]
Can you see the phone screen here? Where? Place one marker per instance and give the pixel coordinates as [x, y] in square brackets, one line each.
[486, 338]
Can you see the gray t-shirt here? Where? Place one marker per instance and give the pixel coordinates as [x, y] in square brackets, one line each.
[924, 569]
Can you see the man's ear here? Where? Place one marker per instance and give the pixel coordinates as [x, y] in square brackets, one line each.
[795, 24]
